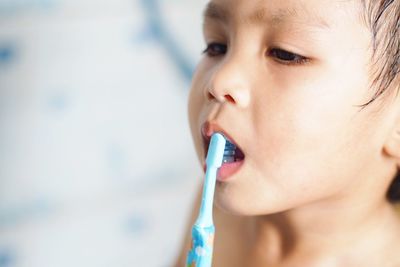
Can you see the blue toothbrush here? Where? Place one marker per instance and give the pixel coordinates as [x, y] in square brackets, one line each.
[200, 254]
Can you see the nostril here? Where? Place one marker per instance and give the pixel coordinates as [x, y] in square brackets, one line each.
[229, 98]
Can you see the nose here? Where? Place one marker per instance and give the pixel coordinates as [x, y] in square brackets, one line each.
[230, 82]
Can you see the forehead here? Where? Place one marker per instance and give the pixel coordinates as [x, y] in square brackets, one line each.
[313, 13]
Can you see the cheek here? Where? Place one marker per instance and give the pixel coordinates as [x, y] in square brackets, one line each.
[310, 140]
[193, 107]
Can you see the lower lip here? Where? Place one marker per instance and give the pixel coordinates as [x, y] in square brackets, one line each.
[227, 170]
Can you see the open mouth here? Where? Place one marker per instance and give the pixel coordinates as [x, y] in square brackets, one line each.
[232, 152]
[233, 159]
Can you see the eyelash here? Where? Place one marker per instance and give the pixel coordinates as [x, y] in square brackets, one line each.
[280, 55]
[286, 57]
[211, 47]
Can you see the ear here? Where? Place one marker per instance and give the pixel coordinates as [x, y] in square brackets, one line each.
[392, 144]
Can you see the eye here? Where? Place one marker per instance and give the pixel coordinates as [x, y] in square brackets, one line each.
[287, 57]
[215, 49]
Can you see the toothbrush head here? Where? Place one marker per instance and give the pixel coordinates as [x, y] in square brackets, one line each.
[229, 152]
[216, 149]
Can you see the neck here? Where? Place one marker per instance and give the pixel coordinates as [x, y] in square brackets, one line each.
[316, 234]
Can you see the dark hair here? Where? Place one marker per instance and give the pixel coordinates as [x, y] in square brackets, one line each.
[383, 19]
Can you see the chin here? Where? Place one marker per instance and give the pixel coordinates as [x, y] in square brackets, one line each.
[235, 200]
[231, 208]
[238, 203]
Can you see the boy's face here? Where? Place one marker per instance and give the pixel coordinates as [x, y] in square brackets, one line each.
[284, 80]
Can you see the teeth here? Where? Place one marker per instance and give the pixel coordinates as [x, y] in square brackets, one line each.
[228, 159]
[229, 152]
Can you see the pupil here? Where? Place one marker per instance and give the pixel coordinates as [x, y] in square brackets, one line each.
[285, 55]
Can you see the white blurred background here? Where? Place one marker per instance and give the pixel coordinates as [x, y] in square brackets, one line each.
[97, 166]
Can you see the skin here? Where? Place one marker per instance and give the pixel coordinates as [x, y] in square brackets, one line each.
[311, 191]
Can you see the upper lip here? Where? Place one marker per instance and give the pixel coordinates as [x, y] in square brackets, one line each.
[209, 128]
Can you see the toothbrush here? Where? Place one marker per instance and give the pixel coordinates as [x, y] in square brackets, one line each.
[200, 254]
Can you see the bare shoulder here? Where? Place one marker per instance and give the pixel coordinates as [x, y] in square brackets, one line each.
[393, 259]
[397, 208]
[231, 233]
[181, 258]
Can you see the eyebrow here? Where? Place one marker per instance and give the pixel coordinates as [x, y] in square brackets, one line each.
[262, 16]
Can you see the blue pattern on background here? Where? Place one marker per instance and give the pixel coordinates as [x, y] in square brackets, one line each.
[137, 225]
[58, 102]
[158, 30]
[74, 168]
[15, 7]
[17, 214]
[7, 53]
[6, 258]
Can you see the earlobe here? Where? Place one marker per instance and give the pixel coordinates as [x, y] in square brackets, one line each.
[392, 144]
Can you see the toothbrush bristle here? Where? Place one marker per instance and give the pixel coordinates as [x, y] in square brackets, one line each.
[229, 152]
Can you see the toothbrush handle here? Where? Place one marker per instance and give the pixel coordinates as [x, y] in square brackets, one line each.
[200, 254]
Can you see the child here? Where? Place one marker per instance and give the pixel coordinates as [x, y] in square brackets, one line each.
[308, 92]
